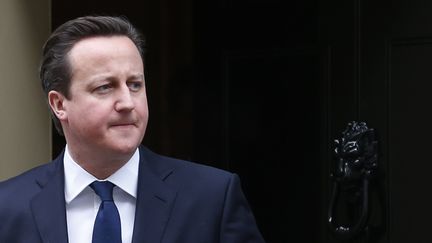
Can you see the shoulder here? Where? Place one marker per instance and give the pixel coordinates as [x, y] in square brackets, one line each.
[189, 178]
[174, 169]
[26, 177]
[212, 196]
[23, 187]
[16, 195]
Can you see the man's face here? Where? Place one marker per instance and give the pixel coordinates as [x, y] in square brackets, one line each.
[107, 108]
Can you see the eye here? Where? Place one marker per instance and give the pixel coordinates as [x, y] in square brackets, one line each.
[103, 88]
[135, 86]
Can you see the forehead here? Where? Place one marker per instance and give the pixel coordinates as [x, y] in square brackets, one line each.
[93, 48]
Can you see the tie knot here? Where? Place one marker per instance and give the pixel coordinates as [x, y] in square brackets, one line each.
[104, 189]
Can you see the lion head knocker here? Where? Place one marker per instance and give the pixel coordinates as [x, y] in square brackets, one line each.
[356, 164]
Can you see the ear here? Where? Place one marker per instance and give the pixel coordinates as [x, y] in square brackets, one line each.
[56, 102]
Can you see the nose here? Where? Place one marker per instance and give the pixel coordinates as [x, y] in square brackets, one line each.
[124, 101]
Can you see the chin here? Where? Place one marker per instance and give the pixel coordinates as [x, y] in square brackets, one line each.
[127, 147]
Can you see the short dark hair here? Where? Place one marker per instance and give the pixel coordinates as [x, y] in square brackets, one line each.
[55, 71]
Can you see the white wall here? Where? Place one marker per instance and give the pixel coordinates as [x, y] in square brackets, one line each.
[25, 137]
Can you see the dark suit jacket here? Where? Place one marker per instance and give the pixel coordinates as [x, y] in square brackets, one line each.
[178, 202]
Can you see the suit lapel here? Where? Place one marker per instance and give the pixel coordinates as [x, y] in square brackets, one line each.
[154, 203]
[48, 206]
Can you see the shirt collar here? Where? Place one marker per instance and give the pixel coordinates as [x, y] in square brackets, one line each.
[77, 179]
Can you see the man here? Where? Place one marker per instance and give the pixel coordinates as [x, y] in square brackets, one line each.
[105, 186]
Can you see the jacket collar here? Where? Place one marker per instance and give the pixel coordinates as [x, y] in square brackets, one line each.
[155, 200]
[48, 206]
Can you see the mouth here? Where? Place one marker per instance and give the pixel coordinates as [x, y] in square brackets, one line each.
[124, 125]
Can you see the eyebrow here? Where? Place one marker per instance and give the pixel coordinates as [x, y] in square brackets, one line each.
[136, 76]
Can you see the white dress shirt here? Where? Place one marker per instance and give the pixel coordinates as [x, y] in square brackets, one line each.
[82, 203]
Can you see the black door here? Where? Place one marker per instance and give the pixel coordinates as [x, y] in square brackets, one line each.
[377, 56]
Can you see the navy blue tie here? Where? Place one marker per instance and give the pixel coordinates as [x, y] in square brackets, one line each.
[107, 228]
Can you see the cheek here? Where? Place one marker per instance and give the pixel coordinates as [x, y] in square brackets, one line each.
[142, 111]
[89, 124]
[90, 117]
[141, 105]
